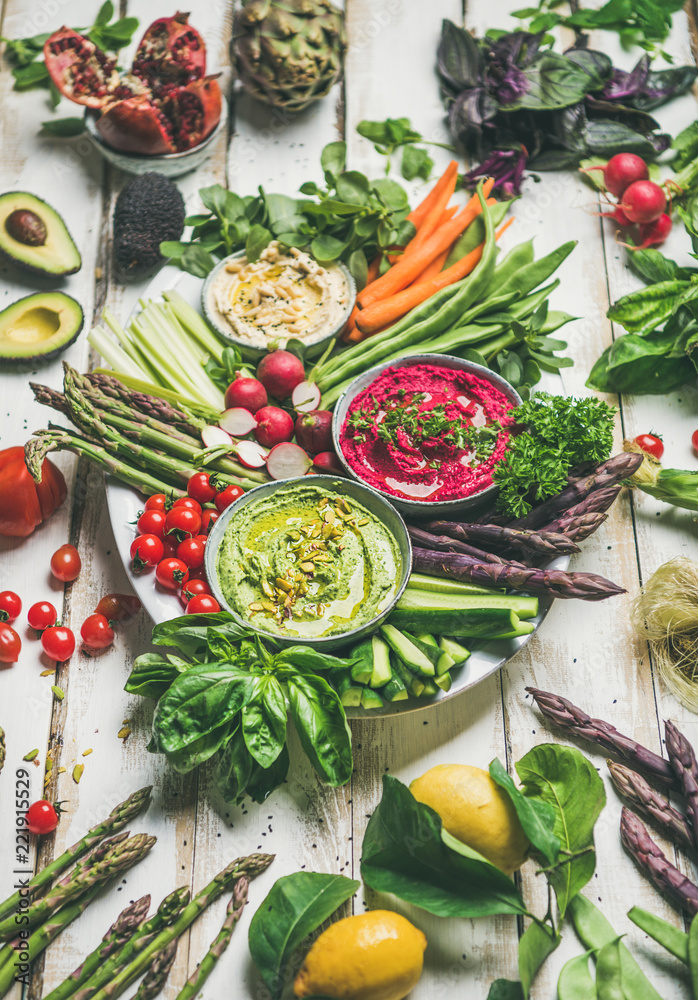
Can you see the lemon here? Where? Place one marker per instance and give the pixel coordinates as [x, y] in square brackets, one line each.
[372, 956]
[475, 810]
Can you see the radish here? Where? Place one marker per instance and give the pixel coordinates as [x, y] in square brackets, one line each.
[280, 372]
[251, 454]
[327, 461]
[237, 422]
[643, 201]
[314, 431]
[216, 437]
[621, 171]
[306, 397]
[619, 215]
[287, 460]
[248, 393]
[274, 425]
[652, 234]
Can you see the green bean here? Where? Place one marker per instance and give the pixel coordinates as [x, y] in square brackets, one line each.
[609, 972]
[517, 258]
[674, 940]
[494, 303]
[693, 955]
[554, 320]
[532, 275]
[475, 233]
[575, 982]
[524, 307]
[595, 932]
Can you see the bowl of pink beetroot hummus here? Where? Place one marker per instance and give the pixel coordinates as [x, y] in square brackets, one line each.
[426, 431]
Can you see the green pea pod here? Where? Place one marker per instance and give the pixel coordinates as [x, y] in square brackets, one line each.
[693, 955]
[475, 233]
[609, 972]
[534, 274]
[575, 982]
[524, 306]
[517, 258]
[674, 940]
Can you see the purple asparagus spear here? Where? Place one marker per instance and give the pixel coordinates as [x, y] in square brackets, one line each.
[662, 874]
[445, 543]
[683, 760]
[636, 790]
[547, 544]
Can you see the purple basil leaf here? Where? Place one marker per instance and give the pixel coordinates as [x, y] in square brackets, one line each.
[468, 113]
[663, 85]
[623, 85]
[506, 166]
[638, 120]
[605, 137]
[458, 57]
[596, 64]
[554, 82]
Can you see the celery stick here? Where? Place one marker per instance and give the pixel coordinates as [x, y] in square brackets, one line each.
[194, 324]
[113, 353]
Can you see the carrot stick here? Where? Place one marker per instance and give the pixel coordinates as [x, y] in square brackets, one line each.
[419, 214]
[431, 270]
[387, 311]
[374, 269]
[394, 256]
[433, 218]
[406, 270]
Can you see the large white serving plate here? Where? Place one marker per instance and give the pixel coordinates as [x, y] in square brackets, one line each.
[125, 503]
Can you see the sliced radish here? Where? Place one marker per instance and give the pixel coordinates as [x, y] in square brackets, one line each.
[306, 397]
[237, 421]
[251, 454]
[287, 460]
[327, 461]
[216, 437]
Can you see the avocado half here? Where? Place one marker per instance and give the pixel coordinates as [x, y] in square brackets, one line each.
[35, 237]
[39, 326]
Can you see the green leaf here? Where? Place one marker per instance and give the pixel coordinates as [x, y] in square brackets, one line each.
[194, 754]
[305, 658]
[352, 187]
[505, 989]
[30, 76]
[358, 266]
[575, 982]
[333, 158]
[214, 199]
[105, 13]
[198, 702]
[152, 674]
[648, 308]
[264, 720]
[536, 944]
[416, 162]
[319, 718]
[264, 780]
[294, 908]
[653, 266]
[554, 82]
[234, 768]
[392, 194]
[564, 778]
[327, 248]
[404, 853]
[537, 818]
[63, 127]
[197, 261]
[258, 239]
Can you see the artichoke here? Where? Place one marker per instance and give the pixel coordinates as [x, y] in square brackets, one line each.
[289, 53]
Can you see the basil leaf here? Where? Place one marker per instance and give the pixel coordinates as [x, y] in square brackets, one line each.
[564, 778]
[190, 632]
[234, 768]
[151, 675]
[258, 239]
[294, 908]
[534, 947]
[404, 853]
[458, 57]
[630, 365]
[505, 989]
[319, 718]
[198, 702]
[264, 780]
[647, 308]
[196, 753]
[536, 818]
[333, 158]
[653, 266]
[553, 82]
[197, 261]
[307, 658]
[264, 720]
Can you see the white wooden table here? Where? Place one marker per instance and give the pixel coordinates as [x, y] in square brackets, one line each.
[585, 651]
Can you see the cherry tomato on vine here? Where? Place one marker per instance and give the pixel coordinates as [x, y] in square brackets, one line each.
[227, 496]
[191, 551]
[189, 503]
[651, 443]
[193, 588]
[158, 501]
[118, 607]
[58, 642]
[146, 550]
[182, 521]
[10, 606]
[66, 563]
[42, 615]
[41, 817]
[208, 519]
[152, 522]
[172, 574]
[203, 604]
[199, 487]
[96, 632]
[10, 644]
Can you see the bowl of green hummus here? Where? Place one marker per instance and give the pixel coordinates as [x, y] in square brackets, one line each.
[318, 560]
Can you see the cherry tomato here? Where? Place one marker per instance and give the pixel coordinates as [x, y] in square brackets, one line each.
[183, 522]
[193, 588]
[170, 543]
[42, 615]
[172, 574]
[227, 496]
[10, 606]
[66, 563]
[10, 644]
[96, 632]
[118, 607]
[651, 443]
[199, 487]
[189, 503]
[58, 642]
[198, 574]
[152, 522]
[157, 502]
[191, 551]
[41, 817]
[208, 519]
[146, 550]
[203, 604]
[694, 441]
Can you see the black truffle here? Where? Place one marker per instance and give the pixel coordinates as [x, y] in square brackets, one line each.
[149, 210]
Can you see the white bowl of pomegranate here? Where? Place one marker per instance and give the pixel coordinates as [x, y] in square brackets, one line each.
[426, 432]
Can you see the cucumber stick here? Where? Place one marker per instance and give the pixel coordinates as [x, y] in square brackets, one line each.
[411, 653]
[453, 649]
[381, 672]
[523, 607]
[422, 581]
[479, 622]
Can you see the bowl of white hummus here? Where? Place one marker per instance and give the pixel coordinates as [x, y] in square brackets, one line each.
[283, 295]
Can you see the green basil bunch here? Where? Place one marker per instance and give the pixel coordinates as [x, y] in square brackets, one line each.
[225, 694]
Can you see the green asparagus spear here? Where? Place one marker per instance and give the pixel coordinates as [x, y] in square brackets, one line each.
[115, 859]
[250, 866]
[116, 820]
[194, 984]
[154, 979]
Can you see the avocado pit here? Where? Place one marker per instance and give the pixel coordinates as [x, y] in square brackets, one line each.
[26, 227]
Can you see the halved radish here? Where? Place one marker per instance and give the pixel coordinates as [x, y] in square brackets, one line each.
[216, 437]
[327, 461]
[251, 454]
[306, 397]
[287, 460]
[237, 421]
